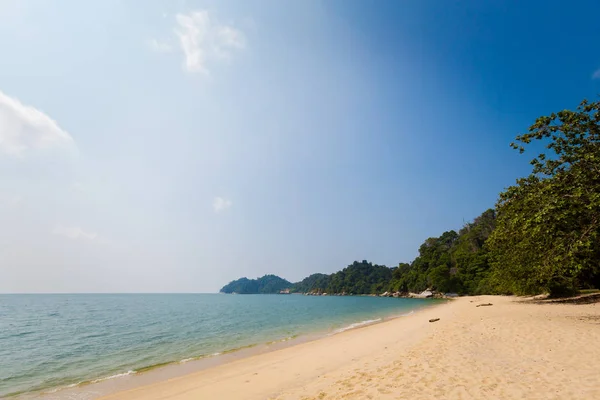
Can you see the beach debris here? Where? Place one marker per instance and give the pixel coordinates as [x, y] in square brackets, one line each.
[434, 319]
[484, 305]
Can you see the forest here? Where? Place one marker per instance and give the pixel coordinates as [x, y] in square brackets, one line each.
[265, 285]
[542, 236]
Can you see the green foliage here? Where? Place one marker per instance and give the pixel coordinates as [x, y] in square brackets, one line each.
[453, 262]
[548, 231]
[358, 278]
[264, 285]
[317, 283]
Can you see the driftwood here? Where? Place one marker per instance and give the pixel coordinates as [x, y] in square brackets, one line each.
[484, 305]
[434, 319]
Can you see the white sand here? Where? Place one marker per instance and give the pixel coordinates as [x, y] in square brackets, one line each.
[510, 350]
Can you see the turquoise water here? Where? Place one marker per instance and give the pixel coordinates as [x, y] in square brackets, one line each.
[52, 341]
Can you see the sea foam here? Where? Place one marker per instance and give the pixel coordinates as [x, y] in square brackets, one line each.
[357, 325]
[130, 372]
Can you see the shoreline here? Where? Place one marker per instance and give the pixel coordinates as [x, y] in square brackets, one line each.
[512, 349]
[151, 374]
[515, 348]
[173, 372]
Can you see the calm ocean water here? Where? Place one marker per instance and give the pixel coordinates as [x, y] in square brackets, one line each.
[52, 341]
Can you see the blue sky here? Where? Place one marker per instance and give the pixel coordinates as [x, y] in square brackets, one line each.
[177, 146]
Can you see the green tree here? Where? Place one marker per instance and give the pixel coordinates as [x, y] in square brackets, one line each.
[547, 236]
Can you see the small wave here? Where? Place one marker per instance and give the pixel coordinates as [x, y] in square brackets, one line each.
[130, 372]
[82, 383]
[357, 325]
[57, 389]
[21, 334]
[198, 358]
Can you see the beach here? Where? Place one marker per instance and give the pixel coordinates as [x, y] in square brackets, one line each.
[512, 349]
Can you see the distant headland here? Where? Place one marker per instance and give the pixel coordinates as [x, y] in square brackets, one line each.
[359, 278]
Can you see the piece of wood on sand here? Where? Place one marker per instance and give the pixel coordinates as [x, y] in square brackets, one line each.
[484, 305]
[434, 319]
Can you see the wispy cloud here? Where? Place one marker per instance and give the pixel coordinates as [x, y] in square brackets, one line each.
[74, 232]
[23, 127]
[159, 46]
[204, 40]
[221, 204]
[596, 74]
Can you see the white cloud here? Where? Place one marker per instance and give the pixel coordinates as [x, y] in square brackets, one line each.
[221, 204]
[23, 128]
[73, 232]
[596, 74]
[203, 39]
[159, 46]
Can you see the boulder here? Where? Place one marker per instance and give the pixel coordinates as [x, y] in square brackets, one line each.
[425, 294]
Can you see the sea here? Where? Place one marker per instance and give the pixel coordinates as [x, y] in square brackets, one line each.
[52, 343]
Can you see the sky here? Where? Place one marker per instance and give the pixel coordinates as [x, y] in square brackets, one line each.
[178, 145]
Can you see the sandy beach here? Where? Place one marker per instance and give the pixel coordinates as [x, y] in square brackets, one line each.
[513, 349]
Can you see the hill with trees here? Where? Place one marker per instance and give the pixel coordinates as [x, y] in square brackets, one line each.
[357, 278]
[453, 262]
[267, 284]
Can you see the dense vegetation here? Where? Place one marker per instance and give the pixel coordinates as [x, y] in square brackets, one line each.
[548, 230]
[453, 262]
[357, 278]
[542, 236]
[264, 285]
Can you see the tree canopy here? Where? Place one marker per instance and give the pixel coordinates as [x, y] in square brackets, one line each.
[453, 262]
[548, 229]
[357, 278]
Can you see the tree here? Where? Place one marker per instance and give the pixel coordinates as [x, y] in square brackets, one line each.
[547, 236]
